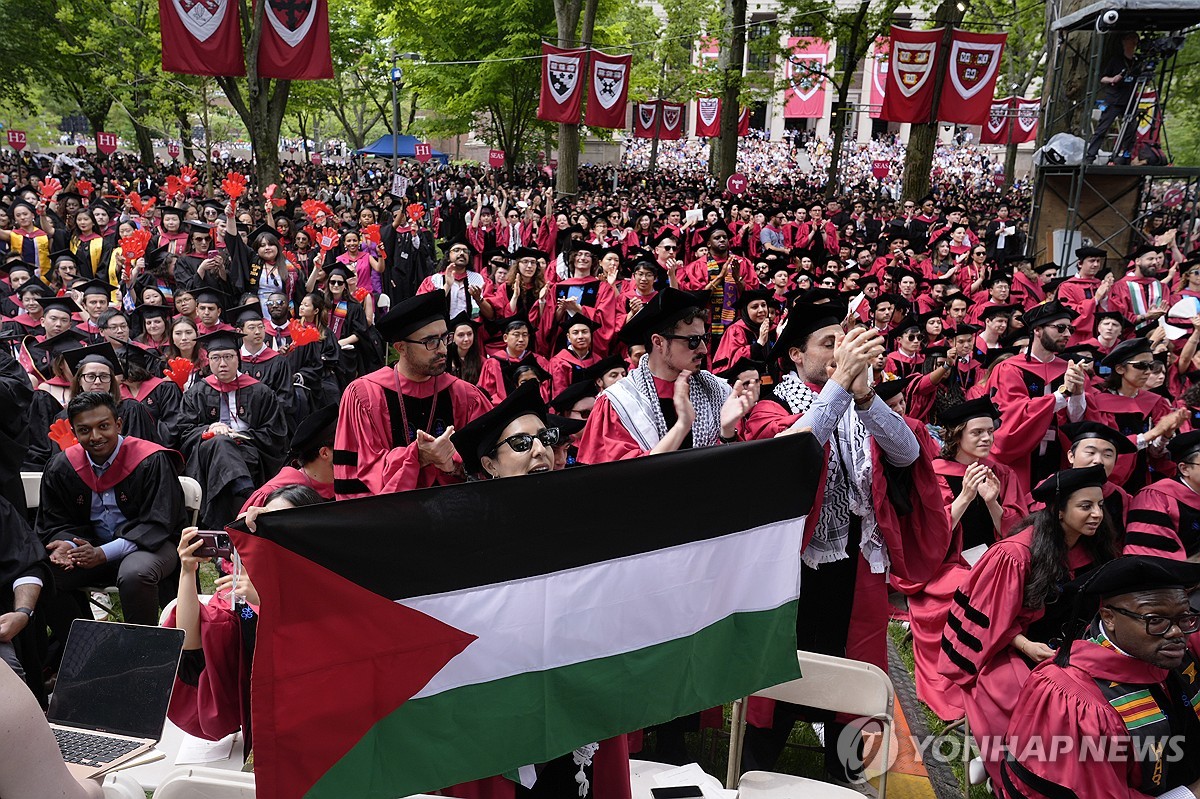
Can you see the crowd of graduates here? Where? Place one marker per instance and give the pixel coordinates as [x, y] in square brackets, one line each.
[299, 343]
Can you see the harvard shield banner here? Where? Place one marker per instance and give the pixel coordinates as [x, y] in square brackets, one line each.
[609, 90]
[971, 72]
[804, 97]
[201, 37]
[1025, 123]
[671, 126]
[909, 93]
[562, 85]
[295, 40]
[708, 116]
[995, 128]
[645, 119]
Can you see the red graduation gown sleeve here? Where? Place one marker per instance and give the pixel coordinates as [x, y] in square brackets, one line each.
[734, 344]
[1026, 418]
[1152, 526]
[768, 419]
[212, 708]
[288, 475]
[604, 438]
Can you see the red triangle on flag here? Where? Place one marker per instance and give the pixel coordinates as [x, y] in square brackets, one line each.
[330, 662]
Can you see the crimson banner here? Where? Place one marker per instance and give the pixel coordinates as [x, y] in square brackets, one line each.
[562, 85]
[201, 38]
[645, 119]
[609, 92]
[708, 116]
[877, 72]
[971, 72]
[670, 126]
[804, 97]
[295, 40]
[909, 93]
[996, 126]
[106, 142]
[16, 139]
[1025, 123]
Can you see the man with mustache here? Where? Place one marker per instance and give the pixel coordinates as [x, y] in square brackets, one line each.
[394, 427]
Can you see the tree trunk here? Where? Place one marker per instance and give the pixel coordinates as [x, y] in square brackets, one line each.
[922, 139]
[730, 61]
[566, 15]
[262, 105]
[185, 136]
[1010, 161]
[840, 113]
[145, 141]
[412, 111]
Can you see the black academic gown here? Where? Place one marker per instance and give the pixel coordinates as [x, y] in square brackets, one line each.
[223, 465]
[21, 555]
[43, 410]
[163, 400]
[275, 371]
[15, 396]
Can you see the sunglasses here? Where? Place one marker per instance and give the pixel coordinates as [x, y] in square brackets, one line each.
[523, 442]
[1141, 366]
[693, 342]
[1063, 328]
[337, 282]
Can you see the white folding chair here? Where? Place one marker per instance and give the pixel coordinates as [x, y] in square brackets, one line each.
[191, 782]
[641, 777]
[122, 786]
[193, 495]
[32, 483]
[828, 683]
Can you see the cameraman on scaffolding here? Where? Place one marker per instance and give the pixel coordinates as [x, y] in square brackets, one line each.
[1119, 78]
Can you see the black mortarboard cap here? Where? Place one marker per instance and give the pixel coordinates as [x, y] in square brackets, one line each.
[890, 388]
[1068, 481]
[666, 307]
[1184, 445]
[96, 353]
[742, 364]
[1090, 252]
[220, 340]
[250, 312]
[1048, 313]
[803, 319]
[193, 226]
[1078, 431]
[412, 314]
[1133, 573]
[601, 368]
[207, 294]
[971, 409]
[565, 400]
[580, 319]
[98, 287]
[480, 436]
[33, 284]
[746, 297]
[1126, 350]
[67, 340]
[566, 427]
[61, 303]
[314, 427]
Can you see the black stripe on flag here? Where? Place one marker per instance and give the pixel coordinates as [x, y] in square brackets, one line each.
[449, 538]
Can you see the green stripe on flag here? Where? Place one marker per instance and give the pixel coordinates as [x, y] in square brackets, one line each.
[494, 726]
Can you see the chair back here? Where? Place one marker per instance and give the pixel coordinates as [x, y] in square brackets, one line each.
[32, 483]
[193, 495]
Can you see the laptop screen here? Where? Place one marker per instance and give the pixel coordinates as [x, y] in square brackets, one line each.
[116, 678]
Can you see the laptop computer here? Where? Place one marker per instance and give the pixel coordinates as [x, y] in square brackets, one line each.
[110, 701]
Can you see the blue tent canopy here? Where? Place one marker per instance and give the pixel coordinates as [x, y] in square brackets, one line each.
[382, 148]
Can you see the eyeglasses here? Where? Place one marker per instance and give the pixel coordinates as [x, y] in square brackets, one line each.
[693, 342]
[95, 378]
[523, 442]
[1159, 626]
[431, 343]
[230, 356]
[459, 249]
[116, 328]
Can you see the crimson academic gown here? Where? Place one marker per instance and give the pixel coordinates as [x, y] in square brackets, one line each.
[373, 451]
[929, 607]
[604, 438]
[1024, 390]
[987, 613]
[598, 301]
[1134, 296]
[738, 342]
[1115, 702]
[288, 476]
[566, 366]
[1164, 521]
[1129, 416]
[499, 296]
[1079, 294]
[494, 382]
[903, 365]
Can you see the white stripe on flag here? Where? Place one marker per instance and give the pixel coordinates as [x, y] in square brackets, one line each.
[616, 606]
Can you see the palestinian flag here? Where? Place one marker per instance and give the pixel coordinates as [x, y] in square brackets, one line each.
[413, 641]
